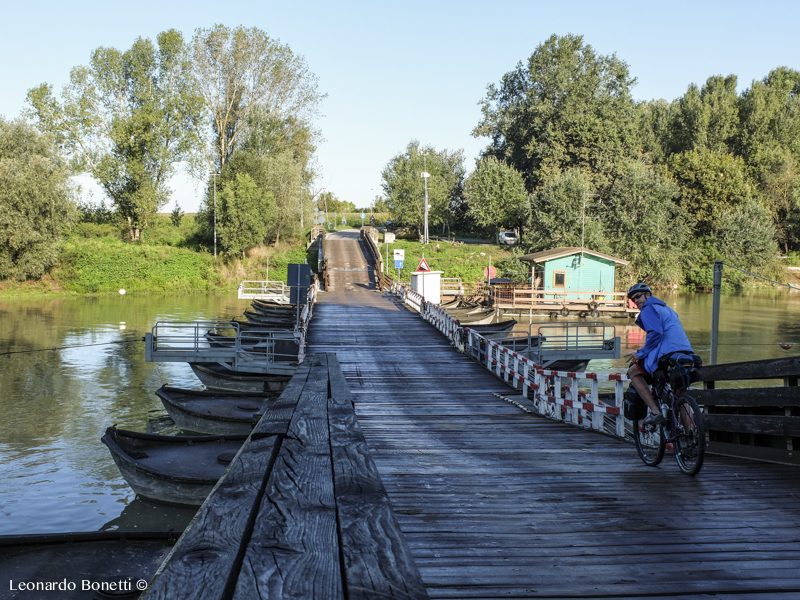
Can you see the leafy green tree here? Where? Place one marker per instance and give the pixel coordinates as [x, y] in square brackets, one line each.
[654, 127]
[35, 201]
[283, 179]
[770, 118]
[239, 71]
[645, 226]
[176, 215]
[404, 186]
[127, 119]
[495, 195]
[564, 214]
[769, 142]
[780, 192]
[244, 214]
[706, 118]
[745, 236]
[710, 183]
[269, 133]
[565, 108]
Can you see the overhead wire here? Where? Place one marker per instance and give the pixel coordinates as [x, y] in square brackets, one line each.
[68, 347]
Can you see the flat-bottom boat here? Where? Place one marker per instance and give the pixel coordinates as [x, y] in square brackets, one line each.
[214, 412]
[216, 377]
[172, 469]
[113, 562]
[493, 331]
[483, 317]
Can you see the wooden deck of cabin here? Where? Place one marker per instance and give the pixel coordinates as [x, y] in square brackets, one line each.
[498, 503]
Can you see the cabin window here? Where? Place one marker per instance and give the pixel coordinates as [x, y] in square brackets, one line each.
[559, 279]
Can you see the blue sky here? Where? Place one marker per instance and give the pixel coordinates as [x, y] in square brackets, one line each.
[395, 72]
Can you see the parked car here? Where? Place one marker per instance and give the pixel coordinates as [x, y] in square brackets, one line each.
[507, 238]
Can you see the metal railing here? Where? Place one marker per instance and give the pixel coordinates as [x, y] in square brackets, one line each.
[274, 352]
[560, 301]
[369, 234]
[254, 349]
[452, 286]
[276, 291]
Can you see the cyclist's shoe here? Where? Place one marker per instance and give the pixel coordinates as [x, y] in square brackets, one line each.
[653, 419]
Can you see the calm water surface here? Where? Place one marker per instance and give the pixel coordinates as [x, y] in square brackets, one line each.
[56, 475]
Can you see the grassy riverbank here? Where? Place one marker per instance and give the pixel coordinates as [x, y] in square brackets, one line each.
[95, 260]
[456, 259]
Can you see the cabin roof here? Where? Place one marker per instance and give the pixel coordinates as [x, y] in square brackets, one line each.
[545, 255]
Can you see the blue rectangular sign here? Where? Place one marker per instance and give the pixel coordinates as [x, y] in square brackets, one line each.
[398, 264]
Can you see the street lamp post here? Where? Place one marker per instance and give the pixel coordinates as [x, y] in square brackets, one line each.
[301, 209]
[425, 176]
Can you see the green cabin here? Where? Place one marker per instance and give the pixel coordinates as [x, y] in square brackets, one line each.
[573, 270]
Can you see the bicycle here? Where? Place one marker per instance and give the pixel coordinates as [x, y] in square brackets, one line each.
[683, 429]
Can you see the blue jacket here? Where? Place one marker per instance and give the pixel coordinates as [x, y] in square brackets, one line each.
[664, 333]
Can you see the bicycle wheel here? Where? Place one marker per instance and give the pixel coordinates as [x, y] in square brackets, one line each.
[690, 436]
[650, 442]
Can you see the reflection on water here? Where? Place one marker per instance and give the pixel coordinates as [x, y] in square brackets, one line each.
[56, 475]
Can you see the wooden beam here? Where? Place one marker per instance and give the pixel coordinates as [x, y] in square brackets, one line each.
[757, 397]
[293, 551]
[768, 425]
[377, 562]
[774, 368]
[205, 561]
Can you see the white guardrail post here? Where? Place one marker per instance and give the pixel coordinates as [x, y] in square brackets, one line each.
[555, 394]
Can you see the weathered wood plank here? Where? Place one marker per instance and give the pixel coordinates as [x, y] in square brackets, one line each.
[377, 562]
[773, 368]
[768, 425]
[293, 551]
[773, 396]
[203, 564]
[205, 561]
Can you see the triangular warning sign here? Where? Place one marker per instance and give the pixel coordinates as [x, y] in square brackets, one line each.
[423, 266]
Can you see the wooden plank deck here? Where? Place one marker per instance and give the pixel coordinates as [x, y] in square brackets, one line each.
[302, 514]
[498, 503]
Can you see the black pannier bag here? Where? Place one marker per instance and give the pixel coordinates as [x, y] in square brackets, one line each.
[684, 369]
[634, 407]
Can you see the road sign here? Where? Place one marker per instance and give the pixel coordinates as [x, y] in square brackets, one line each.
[398, 264]
[363, 216]
[423, 266]
[399, 254]
[490, 273]
[388, 238]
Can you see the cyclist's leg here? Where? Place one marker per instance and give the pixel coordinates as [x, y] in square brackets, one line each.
[640, 384]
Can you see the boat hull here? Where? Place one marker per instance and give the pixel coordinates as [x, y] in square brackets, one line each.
[172, 469]
[217, 377]
[221, 413]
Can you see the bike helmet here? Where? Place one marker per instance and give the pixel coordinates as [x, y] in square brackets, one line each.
[639, 287]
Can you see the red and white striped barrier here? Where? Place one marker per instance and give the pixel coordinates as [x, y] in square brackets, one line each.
[555, 394]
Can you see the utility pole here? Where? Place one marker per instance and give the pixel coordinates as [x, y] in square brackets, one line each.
[425, 176]
[215, 173]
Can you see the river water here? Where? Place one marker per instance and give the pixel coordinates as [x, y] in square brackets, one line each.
[56, 475]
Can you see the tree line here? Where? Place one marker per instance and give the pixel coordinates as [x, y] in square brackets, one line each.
[232, 105]
[670, 186]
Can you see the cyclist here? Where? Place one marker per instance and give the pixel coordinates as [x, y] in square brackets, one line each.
[665, 336]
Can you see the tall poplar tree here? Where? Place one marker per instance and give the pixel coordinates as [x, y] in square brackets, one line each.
[127, 118]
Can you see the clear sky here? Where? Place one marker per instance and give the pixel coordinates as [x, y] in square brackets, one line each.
[399, 71]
